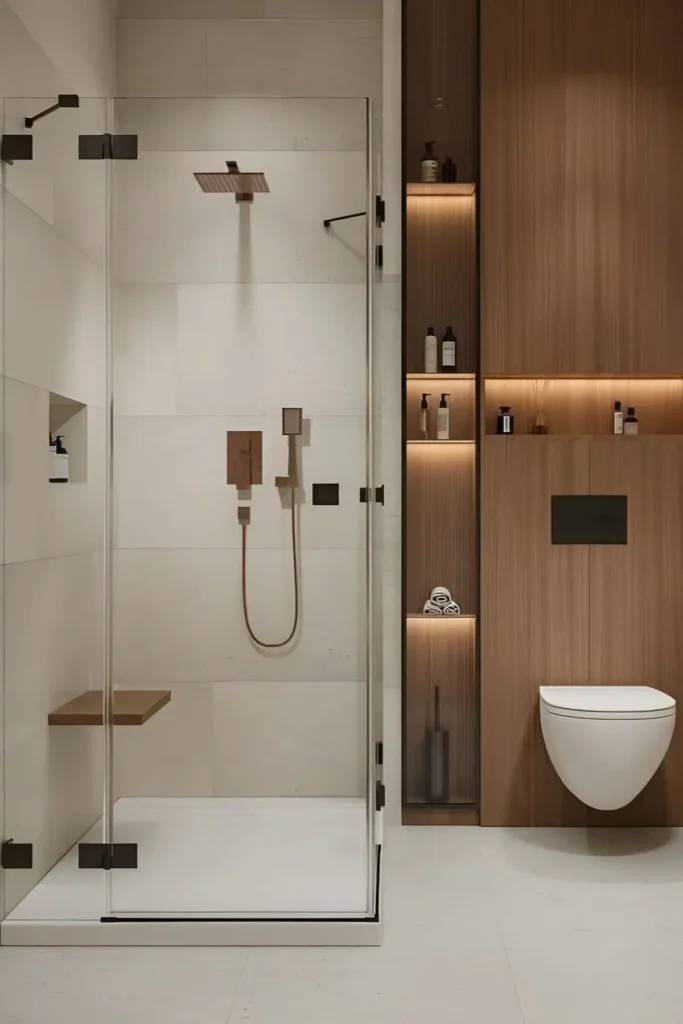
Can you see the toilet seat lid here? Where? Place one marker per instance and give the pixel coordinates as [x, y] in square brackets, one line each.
[607, 700]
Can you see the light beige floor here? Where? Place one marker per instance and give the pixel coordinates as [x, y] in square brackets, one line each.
[483, 926]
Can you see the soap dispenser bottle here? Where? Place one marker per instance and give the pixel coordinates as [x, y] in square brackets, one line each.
[431, 352]
[505, 424]
[443, 426]
[424, 416]
[60, 463]
[449, 344]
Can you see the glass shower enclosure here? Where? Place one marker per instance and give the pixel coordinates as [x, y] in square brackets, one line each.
[192, 685]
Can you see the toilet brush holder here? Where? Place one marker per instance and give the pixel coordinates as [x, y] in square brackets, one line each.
[437, 757]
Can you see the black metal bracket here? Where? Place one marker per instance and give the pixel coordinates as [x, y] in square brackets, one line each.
[108, 856]
[14, 856]
[379, 495]
[16, 147]
[347, 216]
[107, 147]
[65, 99]
[379, 256]
[379, 753]
[379, 214]
[380, 796]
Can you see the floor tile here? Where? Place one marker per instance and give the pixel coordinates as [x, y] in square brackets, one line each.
[118, 986]
[600, 977]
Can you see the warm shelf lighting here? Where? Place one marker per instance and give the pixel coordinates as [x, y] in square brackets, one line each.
[441, 188]
[440, 618]
[440, 376]
[440, 442]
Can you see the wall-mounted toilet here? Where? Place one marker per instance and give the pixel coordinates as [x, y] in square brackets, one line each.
[606, 742]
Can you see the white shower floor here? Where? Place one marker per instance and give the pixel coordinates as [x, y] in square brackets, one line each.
[284, 857]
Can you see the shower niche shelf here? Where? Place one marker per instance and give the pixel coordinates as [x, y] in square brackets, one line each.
[69, 418]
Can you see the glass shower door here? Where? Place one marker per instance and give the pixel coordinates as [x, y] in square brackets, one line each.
[242, 437]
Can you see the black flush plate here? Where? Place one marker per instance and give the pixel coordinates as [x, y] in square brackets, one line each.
[589, 518]
[107, 147]
[108, 856]
[325, 494]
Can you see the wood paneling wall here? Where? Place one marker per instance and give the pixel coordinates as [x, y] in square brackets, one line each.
[534, 623]
[440, 53]
[636, 600]
[582, 189]
[576, 615]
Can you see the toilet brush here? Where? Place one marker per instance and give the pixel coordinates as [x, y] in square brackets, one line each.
[437, 757]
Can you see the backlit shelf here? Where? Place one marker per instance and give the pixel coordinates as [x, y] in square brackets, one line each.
[449, 618]
[440, 442]
[441, 188]
[440, 376]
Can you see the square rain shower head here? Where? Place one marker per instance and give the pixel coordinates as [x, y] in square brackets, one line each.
[243, 184]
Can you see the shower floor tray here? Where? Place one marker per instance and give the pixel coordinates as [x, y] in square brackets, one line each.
[218, 857]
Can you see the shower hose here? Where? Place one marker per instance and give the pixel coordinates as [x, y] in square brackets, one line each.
[295, 563]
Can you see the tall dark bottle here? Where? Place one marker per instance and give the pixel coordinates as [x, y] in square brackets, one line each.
[449, 352]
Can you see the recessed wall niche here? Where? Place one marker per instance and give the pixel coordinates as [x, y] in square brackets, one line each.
[70, 419]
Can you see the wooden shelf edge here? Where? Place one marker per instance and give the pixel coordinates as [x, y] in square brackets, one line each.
[441, 376]
[589, 377]
[449, 618]
[441, 188]
[421, 441]
[428, 814]
[131, 707]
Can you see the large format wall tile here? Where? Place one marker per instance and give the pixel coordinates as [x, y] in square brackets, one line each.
[368, 9]
[250, 350]
[170, 486]
[145, 319]
[172, 755]
[246, 124]
[55, 310]
[162, 58]
[296, 57]
[168, 230]
[178, 616]
[290, 739]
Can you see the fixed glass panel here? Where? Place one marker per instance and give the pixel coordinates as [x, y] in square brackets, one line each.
[54, 384]
[241, 578]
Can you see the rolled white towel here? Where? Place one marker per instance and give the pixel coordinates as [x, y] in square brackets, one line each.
[441, 596]
[451, 609]
[429, 608]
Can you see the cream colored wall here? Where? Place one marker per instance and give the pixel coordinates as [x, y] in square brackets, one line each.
[53, 292]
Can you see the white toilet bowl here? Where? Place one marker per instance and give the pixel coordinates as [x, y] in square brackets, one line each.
[606, 742]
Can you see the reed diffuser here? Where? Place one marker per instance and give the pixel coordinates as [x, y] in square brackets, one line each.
[539, 425]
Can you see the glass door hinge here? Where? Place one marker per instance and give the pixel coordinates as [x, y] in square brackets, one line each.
[108, 856]
[380, 210]
[15, 856]
[380, 796]
[379, 256]
[107, 147]
[379, 495]
[379, 753]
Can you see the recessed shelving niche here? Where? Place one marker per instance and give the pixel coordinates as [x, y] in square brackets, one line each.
[584, 406]
[460, 387]
[70, 419]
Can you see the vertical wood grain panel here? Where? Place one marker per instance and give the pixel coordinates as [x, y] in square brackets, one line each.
[582, 191]
[441, 652]
[441, 524]
[636, 600]
[441, 269]
[440, 55]
[534, 624]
